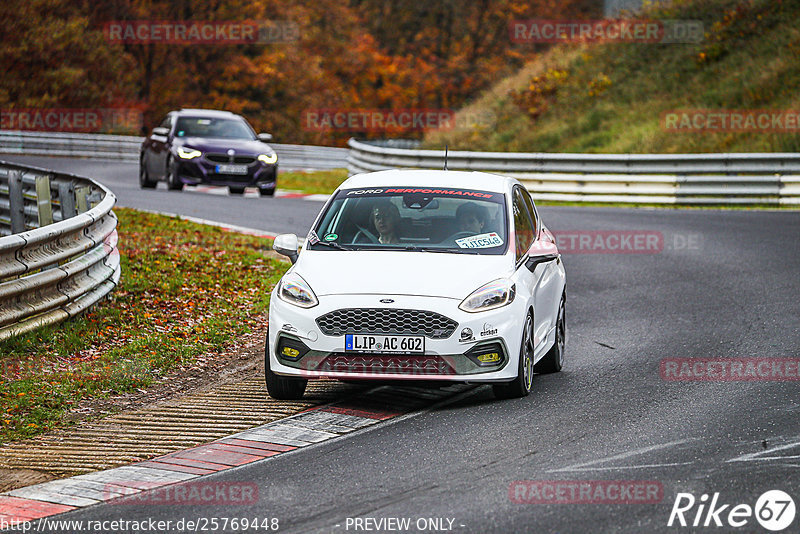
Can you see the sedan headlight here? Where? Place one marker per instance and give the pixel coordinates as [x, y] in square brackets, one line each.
[188, 153]
[296, 291]
[268, 158]
[493, 295]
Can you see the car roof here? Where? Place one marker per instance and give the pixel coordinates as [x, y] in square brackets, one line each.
[475, 180]
[197, 112]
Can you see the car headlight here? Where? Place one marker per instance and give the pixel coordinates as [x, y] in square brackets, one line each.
[188, 153]
[296, 291]
[493, 295]
[268, 158]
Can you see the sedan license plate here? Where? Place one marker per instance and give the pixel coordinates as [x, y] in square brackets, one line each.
[380, 344]
[231, 169]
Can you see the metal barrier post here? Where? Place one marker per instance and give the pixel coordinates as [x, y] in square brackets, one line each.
[44, 200]
[82, 198]
[66, 197]
[16, 202]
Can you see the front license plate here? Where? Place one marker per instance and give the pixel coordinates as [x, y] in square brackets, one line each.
[379, 344]
[231, 169]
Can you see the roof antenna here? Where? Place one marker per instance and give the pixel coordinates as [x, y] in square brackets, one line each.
[445, 157]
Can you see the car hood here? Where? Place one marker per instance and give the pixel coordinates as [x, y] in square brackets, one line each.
[399, 273]
[241, 146]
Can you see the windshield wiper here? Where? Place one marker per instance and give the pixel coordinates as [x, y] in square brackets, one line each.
[415, 248]
[332, 244]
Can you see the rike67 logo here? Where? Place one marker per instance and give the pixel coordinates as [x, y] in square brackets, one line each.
[774, 510]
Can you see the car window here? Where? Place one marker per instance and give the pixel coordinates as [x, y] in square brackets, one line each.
[526, 196]
[413, 218]
[213, 127]
[167, 122]
[523, 227]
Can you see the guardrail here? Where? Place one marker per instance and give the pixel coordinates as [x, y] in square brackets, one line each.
[58, 247]
[126, 148]
[686, 179]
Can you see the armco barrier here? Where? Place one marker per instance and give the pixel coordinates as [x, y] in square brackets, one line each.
[126, 148]
[686, 179]
[58, 247]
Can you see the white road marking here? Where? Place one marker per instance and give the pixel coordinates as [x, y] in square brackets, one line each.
[759, 456]
[621, 456]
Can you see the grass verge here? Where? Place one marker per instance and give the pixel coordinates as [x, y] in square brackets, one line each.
[187, 291]
[313, 182]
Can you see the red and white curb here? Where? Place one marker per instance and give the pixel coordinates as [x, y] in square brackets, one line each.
[313, 426]
[253, 193]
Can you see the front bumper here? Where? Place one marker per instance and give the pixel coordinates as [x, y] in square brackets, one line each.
[199, 171]
[489, 355]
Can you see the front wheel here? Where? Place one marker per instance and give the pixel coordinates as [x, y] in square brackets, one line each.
[144, 177]
[553, 361]
[173, 182]
[282, 387]
[236, 190]
[522, 384]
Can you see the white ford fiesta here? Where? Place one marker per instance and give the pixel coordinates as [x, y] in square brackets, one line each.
[420, 275]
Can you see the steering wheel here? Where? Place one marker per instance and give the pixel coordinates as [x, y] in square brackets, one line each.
[366, 233]
[459, 235]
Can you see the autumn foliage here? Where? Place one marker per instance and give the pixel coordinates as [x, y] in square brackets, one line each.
[361, 54]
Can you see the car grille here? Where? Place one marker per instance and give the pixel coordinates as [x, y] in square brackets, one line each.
[385, 364]
[386, 321]
[224, 158]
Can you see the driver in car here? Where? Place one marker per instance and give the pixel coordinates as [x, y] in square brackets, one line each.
[386, 220]
[472, 218]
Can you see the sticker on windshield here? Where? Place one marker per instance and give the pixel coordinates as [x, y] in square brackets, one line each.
[330, 237]
[480, 241]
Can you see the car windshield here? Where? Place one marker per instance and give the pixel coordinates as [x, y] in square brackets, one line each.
[413, 219]
[216, 128]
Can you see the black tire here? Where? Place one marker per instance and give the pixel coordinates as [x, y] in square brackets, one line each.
[144, 178]
[282, 387]
[236, 190]
[266, 192]
[173, 182]
[553, 361]
[522, 384]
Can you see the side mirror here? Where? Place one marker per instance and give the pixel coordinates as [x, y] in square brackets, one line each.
[533, 261]
[163, 132]
[286, 244]
[265, 137]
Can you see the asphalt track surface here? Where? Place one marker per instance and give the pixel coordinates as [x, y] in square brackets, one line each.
[732, 292]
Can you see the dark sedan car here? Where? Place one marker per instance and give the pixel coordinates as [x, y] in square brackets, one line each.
[200, 146]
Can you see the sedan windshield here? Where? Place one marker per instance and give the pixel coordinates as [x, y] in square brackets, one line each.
[413, 219]
[214, 128]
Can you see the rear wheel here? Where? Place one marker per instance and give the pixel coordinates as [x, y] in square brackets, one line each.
[553, 361]
[144, 177]
[173, 182]
[237, 190]
[522, 384]
[282, 387]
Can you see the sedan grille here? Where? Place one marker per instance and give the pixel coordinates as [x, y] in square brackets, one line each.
[386, 321]
[224, 158]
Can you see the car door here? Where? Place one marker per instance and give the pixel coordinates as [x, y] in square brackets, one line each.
[549, 284]
[538, 281]
[159, 149]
